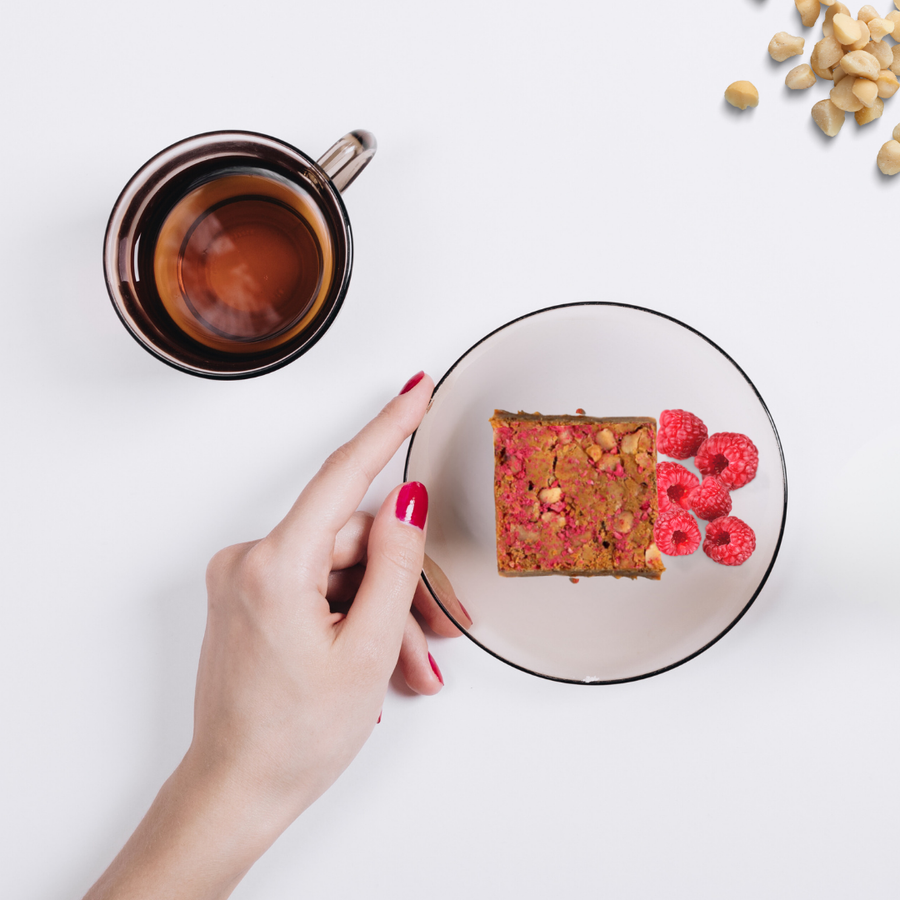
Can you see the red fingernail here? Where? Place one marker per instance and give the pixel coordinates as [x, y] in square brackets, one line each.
[379, 718]
[435, 669]
[412, 382]
[465, 611]
[412, 504]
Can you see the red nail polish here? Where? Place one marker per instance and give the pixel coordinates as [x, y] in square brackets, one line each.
[435, 669]
[412, 504]
[465, 611]
[379, 718]
[412, 382]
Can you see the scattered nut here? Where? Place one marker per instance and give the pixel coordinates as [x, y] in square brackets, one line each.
[863, 38]
[742, 94]
[809, 11]
[895, 65]
[889, 158]
[846, 30]
[867, 13]
[828, 117]
[842, 95]
[869, 113]
[825, 56]
[867, 92]
[895, 18]
[837, 73]
[879, 28]
[784, 45]
[802, 77]
[887, 84]
[895, 134]
[882, 52]
[861, 64]
[830, 13]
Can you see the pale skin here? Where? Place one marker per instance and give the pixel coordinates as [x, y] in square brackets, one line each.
[304, 630]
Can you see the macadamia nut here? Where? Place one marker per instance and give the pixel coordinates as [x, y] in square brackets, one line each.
[742, 94]
[861, 64]
[783, 46]
[809, 11]
[887, 84]
[869, 113]
[802, 77]
[846, 30]
[889, 158]
[867, 13]
[895, 134]
[863, 38]
[882, 52]
[825, 56]
[842, 95]
[828, 117]
[866, 90]
[895, 65]
[878, 28]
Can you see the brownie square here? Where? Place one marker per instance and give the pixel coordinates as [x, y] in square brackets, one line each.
[575, 495]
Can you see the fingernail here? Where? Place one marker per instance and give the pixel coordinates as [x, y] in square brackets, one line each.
[435, 669]
[379, 718]
[412, 382]
[412, 504]
[465, 611]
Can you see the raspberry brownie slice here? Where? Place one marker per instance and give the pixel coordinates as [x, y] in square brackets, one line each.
[575, 495]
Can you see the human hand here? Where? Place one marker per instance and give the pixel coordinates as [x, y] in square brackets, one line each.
[304, 629]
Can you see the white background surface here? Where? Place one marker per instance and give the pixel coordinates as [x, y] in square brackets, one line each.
[528, 155]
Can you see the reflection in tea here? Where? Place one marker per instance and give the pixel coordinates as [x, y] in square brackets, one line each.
[244, 261]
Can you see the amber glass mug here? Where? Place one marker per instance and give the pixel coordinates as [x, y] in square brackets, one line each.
[228, 254]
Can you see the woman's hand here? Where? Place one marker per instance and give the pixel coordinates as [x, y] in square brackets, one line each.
[304, 629]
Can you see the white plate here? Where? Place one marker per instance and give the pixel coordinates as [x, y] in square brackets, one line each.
[610, 360]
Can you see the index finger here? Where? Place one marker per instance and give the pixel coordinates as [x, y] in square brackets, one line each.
[335, 492]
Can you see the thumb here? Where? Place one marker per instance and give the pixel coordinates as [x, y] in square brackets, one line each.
[395, 555]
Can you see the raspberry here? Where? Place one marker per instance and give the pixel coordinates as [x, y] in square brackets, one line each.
[729, 541]
[733, 457]
[680, 433]
[674, 484]
[676, 533]
[711, 499]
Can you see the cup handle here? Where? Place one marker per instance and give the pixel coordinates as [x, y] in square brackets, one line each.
[348, 157]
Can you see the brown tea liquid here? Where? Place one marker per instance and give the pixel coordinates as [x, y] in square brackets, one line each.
[244, 261]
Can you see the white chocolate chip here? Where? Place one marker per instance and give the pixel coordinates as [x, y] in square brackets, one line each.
[550, 495]
[630, 443]
[606, 439]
